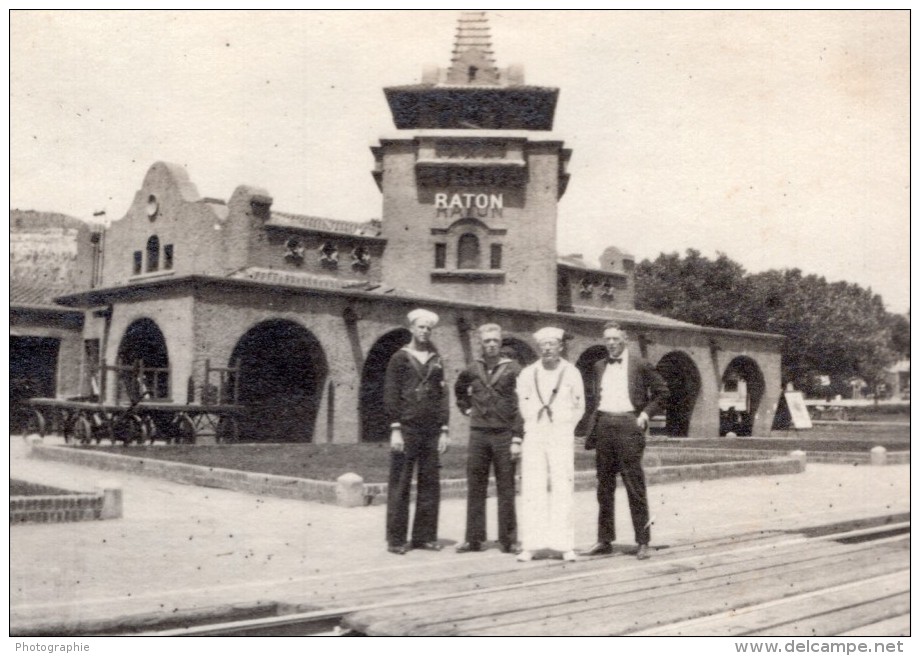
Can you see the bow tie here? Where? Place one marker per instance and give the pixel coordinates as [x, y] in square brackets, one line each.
[614, 360]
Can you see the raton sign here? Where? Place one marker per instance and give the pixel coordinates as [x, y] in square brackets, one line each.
[479, 206]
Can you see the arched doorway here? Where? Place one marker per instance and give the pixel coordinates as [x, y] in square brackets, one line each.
[585, 365]
[517, 350]
[143, 343]
[282, 373]
[683, 379]
[373, 421]
[739, 397]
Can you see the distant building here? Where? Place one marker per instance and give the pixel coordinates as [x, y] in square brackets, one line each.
[50, 255]
[311, 309]
[897, 380]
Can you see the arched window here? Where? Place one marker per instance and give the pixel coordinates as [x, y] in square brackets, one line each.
[153, 253]
[468, 252]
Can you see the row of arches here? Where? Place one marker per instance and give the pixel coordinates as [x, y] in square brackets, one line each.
[283, 370]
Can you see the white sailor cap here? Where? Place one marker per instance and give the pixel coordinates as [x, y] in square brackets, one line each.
[423, 315]
[548, 333]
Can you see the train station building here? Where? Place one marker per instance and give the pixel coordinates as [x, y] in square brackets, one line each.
[308, 310]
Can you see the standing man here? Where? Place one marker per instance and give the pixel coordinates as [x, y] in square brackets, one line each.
[628, 391]
[485, 392]
[416, 404]
[552, 401]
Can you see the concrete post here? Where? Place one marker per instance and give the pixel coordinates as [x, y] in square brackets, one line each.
[800, 456]
[111, 499]
[349, 490]
[878, 455]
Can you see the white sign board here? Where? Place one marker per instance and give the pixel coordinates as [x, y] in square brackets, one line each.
[797, 409]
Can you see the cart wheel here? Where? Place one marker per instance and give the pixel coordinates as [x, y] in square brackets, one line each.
[151, 433]
[35, 423]
[228, 430]
[184, 429]
[134, 430]
[82, 430]
[67, 426]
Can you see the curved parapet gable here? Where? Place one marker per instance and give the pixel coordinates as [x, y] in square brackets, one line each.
[167, 211]
[172, 178]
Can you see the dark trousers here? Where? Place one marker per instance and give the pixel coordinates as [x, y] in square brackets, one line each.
[421, 451]
[620, 445]
[490, 447]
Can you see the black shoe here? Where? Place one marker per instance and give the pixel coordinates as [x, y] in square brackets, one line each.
[426, 546]
[398, 549]
[643, 553]
[467, 547]
[514, 548]
[599, 549]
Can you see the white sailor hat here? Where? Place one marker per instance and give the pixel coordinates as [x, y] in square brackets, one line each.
[548, 333]
[422, 314]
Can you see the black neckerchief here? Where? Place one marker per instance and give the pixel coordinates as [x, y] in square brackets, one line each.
[546, 404]
[483, 373]
[423, 370]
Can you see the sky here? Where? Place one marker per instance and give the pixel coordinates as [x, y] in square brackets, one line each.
[780, 138]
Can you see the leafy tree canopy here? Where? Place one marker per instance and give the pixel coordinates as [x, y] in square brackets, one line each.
[833, 328]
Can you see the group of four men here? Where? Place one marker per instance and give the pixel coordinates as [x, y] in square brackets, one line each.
[527, 415]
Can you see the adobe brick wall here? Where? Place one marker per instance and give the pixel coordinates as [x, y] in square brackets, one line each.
[222, 317]
[172, 313]
[208, 321]
[529, 217]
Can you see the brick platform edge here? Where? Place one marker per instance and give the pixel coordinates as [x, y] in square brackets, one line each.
[53, 508]
[375, 493]
[824, 457]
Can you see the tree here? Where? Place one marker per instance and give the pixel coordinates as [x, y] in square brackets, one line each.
[837, 329]
[694, 289]
[899, 325]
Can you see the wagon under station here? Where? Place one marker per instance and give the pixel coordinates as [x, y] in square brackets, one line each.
[139, 413]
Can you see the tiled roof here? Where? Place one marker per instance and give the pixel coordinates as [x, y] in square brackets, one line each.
[577, 262]
[313, 281]
[30, 293]
[632, 317]
[367, 229]
[573, 261]
[297, 279]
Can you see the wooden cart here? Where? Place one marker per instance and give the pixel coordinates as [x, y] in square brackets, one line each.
[141, 418]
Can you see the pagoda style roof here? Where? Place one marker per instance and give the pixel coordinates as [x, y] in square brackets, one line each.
[473, 94]
[428, 107]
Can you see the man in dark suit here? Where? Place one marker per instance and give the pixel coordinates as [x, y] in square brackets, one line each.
[627, 392]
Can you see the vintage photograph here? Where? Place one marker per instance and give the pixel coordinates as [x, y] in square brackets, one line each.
[460, 323]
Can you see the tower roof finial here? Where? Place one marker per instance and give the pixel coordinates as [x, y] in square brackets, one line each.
[472, 93]
[473, 61]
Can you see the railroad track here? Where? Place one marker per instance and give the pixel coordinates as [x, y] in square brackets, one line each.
[336, 621]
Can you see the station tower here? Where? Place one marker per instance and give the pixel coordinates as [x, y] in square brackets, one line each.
[472, 181]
